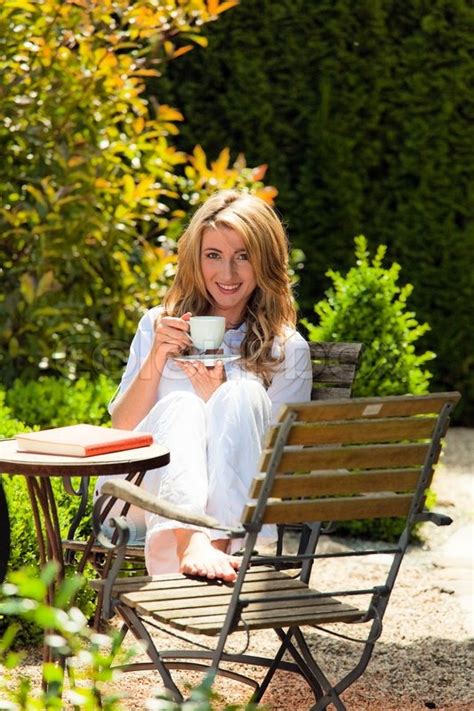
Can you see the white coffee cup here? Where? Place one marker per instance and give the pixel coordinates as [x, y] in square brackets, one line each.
[207, 332]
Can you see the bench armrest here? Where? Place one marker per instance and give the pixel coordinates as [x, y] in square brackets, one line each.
[437, 518]
[133, 494]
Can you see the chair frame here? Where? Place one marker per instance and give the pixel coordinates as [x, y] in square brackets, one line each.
[300, 604]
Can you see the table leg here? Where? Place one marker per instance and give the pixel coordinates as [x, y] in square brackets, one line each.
[48, 536]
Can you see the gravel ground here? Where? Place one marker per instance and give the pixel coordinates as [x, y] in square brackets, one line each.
[425, 656]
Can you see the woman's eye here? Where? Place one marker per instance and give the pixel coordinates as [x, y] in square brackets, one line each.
[243, 256]
[213, 255]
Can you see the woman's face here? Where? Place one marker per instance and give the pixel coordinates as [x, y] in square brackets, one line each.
[228, 274]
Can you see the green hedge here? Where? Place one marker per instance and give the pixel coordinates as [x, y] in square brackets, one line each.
[45, 403]
[48, 402]
[363, 114]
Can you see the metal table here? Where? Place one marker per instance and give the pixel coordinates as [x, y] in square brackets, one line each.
[38, 470]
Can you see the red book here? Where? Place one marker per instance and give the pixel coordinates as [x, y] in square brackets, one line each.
[81, 440]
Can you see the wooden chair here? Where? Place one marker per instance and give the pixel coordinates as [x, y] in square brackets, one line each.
[334, 371]
[329, 460]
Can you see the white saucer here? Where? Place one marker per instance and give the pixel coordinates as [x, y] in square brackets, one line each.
[208, 360]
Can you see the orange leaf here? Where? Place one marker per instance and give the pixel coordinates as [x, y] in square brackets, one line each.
[74, 161]
[268, 193]
[258, 173]
[168, 113]
[101, 183]
[145, 73]
[199, 160]
[225, 6]
[138, 124]
[182, 50]
[220, 165]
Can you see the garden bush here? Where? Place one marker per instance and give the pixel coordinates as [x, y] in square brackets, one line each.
[55, 402]
[364, 114]
[48, 402]
[369, 305]
[92, 188]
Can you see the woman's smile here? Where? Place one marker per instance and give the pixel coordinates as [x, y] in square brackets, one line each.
[229, 288]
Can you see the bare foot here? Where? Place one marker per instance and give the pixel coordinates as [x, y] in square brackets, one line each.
[198, 556]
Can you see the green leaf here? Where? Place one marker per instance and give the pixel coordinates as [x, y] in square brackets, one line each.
[27, 287]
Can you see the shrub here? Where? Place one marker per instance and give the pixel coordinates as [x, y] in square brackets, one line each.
[89, 176]
[48, 402]
[54, 402]
[89, 656]
[363, 113]
[369, 306]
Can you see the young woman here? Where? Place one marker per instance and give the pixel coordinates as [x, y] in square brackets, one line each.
[232, 262]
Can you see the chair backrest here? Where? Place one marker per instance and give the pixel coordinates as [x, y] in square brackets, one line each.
[355, 459]
[334, 369]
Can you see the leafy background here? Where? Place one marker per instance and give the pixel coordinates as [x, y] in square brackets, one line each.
[364, 114]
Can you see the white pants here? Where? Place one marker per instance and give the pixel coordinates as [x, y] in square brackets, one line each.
[215, 448]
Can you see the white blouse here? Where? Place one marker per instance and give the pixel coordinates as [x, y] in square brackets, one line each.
[291, 381]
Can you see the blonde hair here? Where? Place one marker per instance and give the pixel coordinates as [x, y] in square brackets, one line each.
[270, 308]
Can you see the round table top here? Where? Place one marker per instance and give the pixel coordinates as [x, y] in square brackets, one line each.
[27, 463]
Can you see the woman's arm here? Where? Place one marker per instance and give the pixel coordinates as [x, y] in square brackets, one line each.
[152, 345]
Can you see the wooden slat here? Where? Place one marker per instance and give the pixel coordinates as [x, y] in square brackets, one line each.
[132, 551]
[395, 406]
[306, 615]
[332, 351]
[330, 393]
[259, 611]
[177, 581]
[364, 457]
[338, 509]
[394, 429]
[336, 373]
[158, 596]
[214, 606]
[324, 483]
[205, 601]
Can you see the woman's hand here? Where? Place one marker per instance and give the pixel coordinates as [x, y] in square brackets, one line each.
[205, 381]
[171, 335]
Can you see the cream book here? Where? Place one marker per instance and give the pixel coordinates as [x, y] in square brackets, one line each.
[81, 440]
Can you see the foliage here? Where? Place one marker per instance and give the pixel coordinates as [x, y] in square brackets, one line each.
[369, 306]
[89, 188]
[89, 656]
[201, 698]
[9, 425]
[364, 116]
[48, 402]
[54, 402]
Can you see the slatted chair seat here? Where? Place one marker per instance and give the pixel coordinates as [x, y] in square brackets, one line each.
[200, 606]
[364, 458]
